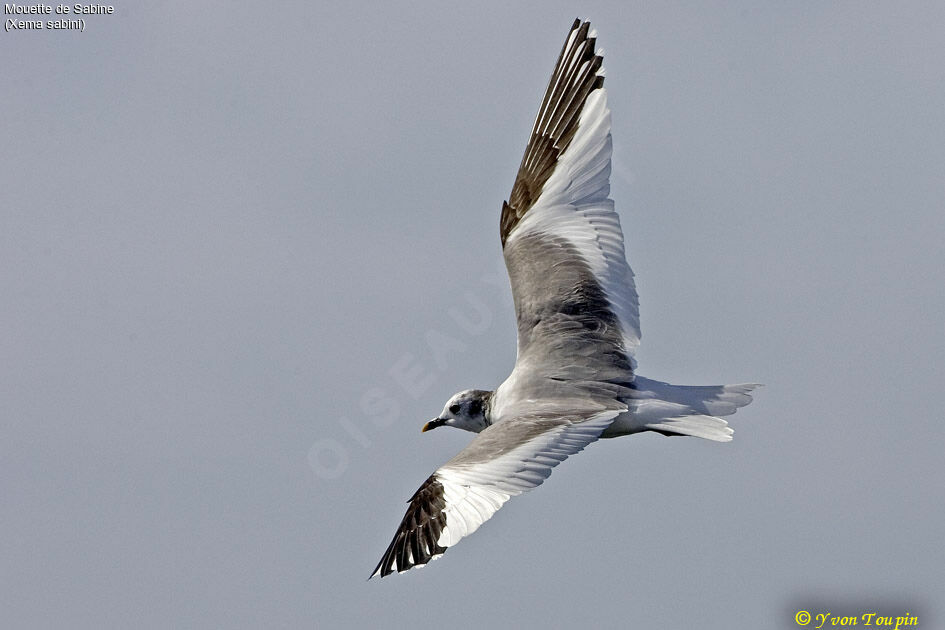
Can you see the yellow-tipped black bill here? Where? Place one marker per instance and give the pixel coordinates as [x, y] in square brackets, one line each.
[432, 424]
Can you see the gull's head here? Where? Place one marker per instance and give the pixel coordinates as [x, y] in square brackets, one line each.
[467, 410]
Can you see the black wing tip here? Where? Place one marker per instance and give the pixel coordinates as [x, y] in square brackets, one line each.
[416, 540]
[583, 27]
[575, 76]
[378, 572]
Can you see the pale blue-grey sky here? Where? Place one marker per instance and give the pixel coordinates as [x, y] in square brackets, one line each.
[245, 252]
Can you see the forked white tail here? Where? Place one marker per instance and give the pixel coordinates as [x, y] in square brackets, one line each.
[681, 409]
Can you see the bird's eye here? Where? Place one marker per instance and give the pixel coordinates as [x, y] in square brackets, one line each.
[454, 409]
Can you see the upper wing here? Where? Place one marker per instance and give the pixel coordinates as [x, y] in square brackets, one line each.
[502, 461]
[575, 299]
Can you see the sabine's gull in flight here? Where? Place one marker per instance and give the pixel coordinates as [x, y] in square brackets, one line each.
[574, 379]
